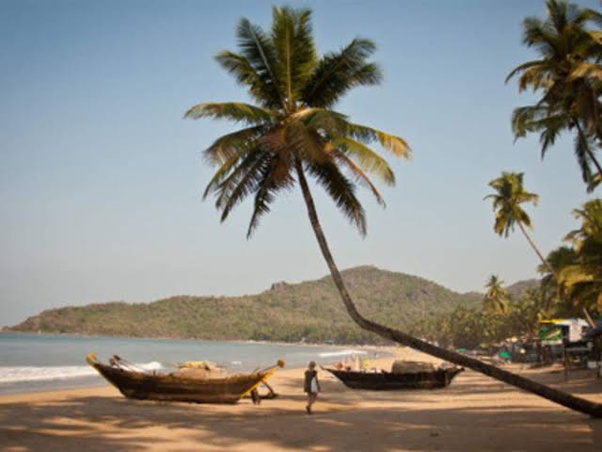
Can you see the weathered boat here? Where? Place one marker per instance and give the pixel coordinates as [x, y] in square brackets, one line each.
[412, 378]
[195, 387]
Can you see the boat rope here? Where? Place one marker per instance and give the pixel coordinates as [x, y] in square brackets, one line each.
[118, 361]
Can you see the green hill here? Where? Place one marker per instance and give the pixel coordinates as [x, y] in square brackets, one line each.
[310, 311]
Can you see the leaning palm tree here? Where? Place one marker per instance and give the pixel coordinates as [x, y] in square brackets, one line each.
[509, 194]
[293, 133]
[569, 76]
[496, 298]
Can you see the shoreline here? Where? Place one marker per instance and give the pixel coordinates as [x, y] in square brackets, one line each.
[474, 413]
[93, 380]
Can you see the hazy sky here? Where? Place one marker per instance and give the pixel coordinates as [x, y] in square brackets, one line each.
[101, 178]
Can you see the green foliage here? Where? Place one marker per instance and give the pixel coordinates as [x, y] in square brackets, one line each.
[473, 326]
[567, 76]
[291, 131]
[507, 199]
[580, 278]
[496, 298]
[309, 311]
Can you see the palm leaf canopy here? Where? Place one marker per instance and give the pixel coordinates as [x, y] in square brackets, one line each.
[291, 120]
[507, 200]
[496, 298]
[581, 278]
[569, 76]
[591, 224]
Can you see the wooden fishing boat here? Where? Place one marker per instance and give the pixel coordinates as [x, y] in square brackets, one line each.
[192, 387]
[383, 380]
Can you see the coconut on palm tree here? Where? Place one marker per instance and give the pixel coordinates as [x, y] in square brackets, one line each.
[569, 76]
[292, 135]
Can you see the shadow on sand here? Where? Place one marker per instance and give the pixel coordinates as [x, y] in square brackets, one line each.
[480, 418]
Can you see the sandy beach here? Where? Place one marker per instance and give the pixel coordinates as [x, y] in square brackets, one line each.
[475, 413]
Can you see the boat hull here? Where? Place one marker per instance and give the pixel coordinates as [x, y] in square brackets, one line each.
[173, 388]
[386, 381]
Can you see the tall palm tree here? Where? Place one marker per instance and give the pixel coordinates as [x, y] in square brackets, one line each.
[509, 194]
[293, 133]
[569, 76]
[496, 298]
[581, 279]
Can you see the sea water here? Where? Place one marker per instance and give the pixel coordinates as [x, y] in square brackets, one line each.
[39, 362]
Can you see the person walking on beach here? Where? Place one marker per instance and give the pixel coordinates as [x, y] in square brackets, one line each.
[311, 385]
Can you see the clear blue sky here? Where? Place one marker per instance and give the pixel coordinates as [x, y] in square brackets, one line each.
[101, 178]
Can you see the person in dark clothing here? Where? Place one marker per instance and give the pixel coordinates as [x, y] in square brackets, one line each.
[311, 385]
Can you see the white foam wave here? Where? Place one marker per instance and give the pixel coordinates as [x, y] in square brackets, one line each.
[24, 374]
[153, 365]
[33, 373]
[342, 353]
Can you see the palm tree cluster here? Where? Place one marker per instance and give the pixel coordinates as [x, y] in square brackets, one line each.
[572, 276]
[569, 78]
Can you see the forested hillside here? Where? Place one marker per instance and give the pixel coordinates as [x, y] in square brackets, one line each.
[310, 311]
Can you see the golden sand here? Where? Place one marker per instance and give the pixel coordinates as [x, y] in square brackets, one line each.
[476, 413]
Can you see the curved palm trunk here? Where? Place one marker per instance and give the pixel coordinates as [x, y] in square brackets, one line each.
[554, 395]
[543, 260]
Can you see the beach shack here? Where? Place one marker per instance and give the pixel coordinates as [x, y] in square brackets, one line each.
[564, 340]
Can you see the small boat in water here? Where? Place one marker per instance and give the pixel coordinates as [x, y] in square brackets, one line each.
[191, 383]
[403, 375]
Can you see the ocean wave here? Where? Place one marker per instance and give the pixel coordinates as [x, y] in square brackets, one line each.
[342, 353]
[51, 373]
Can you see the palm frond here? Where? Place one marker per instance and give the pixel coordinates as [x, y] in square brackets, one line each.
[582, 146]
[233, 111]
[233, 143]
[337, 73]
[234, 180]
[259, 50]
[360, 175]
[586, 70]
[295, 52]
[324, 121]
[227, 151]
[341, 191]
[275, 177]
[366, 158]
[394, 144]
[239, 182]
[521, 68]
[246, 75]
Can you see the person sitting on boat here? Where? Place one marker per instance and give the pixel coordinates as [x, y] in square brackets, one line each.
[311, 385]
